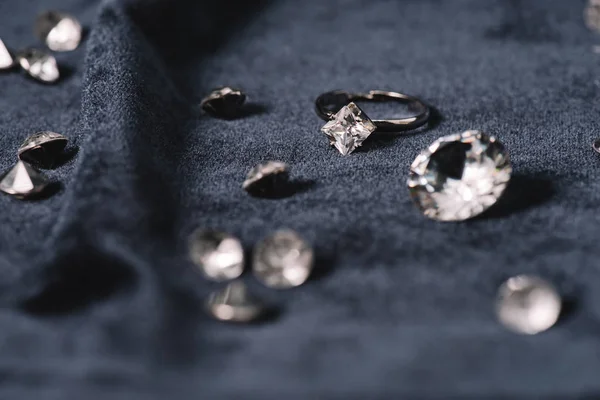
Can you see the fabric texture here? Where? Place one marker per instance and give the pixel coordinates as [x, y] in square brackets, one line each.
[99, 299]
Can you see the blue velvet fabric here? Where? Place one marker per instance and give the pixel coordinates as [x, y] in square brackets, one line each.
[100, 301]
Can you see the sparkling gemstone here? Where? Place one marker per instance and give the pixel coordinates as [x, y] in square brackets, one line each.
[42, 148]
[60, 32]
[528, 304]
[265, 178]
[592, 15]
[224, 102]
[6, 59]
[596, 145]
[283, 260]
[39, 65]
[219, 255]
[459, 176]
[235, 304]
[23, 181]
[348, 129]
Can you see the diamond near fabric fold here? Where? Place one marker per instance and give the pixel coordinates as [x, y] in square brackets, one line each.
[348, 129]
[60, 32]
[39, 65]
[459, 176]
[23, 181]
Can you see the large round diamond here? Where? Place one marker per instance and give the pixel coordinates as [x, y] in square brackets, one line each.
[459, 176]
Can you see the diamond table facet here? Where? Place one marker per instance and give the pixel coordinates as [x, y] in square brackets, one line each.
[234, 303]
[39, 65]
[6, 59]
[219, 255]
[459, 176]
[528, 304]
[23, 181]
[42, 148]
[283, 260]
[60, 32]
[348, 129]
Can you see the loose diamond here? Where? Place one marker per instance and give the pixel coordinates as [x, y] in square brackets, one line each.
[219, 255]
[264, 178]
[348, 129]
[224, 102]
[6, 59]
[596, 145]
[459, 176]
[283, 260]
[42, 148]
[23, 181]
[592, 15]
[60, 32]
[528, 304]
[39, 65]
[235, 304]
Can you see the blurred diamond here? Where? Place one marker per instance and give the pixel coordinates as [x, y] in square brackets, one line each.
[42, 148]
[348, 129]
[283, 260]
[6, 59]
[235, 304]
[528, 304]
[23, 181]
[39, 65]
[592, 15]
[265, 178]
[459, 176]
[224, 102]
[60, 32]
[596, 145]
[219, 255]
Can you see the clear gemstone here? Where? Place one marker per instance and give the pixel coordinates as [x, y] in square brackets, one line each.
[60, 32]
[39, 65]
[283, 260]
[6, 59]
[23, 181]
[592, 15]
[219, 255]
[234, 304]
[596, 145]
[42, 148]
[528, 304]
[224, 102]
[348, 129]
[266, 177]
[459, 176]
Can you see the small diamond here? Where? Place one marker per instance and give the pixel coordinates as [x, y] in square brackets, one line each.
[348, 129]
[592, 15]
[42, 148]
[528, 304]
[459, 176]
[224, 102]
[219, 255]
[596, 145]
[39, 65]
[23, 181]
[6, 59]
[283, 260]
[235, 304]
[60, 32]
[265, 178]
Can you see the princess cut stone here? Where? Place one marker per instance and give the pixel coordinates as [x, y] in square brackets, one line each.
[348, 129]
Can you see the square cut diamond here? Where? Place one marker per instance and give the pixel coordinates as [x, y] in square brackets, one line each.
[348, 129]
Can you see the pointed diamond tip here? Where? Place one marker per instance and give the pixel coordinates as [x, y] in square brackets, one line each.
[23, 181]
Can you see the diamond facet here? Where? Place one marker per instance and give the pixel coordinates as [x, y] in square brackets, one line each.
[219, 255]
[235, 304]
[42, 148]
[39, 65]
[459, 176]
[348, 129]
[264, 178]
[528, 304]
[6, 59]
[224, 102]
[60, 32]
[283, 260]
[23, 181]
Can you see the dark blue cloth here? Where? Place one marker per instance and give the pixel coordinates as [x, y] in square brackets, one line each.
[100, 301]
